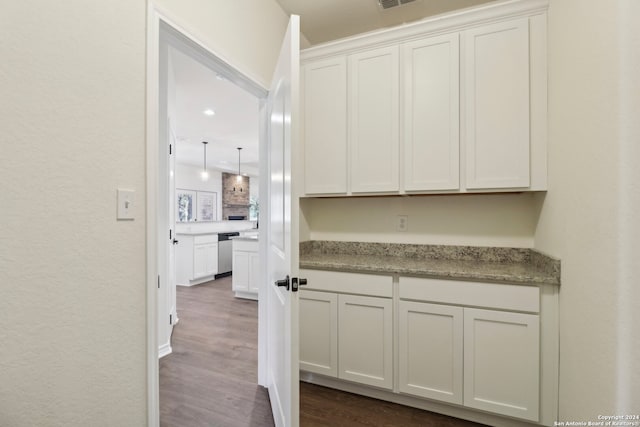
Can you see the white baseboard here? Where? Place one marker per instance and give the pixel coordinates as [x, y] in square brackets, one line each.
[164, 350]
[402, 399]
[247, 295]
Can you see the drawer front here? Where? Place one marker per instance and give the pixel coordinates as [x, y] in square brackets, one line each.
[205, 239]
[349, 283]
[475, 294]
[245, 245]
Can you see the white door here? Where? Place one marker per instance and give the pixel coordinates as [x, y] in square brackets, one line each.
[282, 304]
[171, 280]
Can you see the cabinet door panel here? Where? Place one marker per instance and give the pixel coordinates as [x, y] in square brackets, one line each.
[431, 114]
[319, 332]
[254, 272]
[431, 351]
[374, 120]
[497, 105]
[325, 126]
[501, 362]
[203, 260]
[240, 278]
[365, 340]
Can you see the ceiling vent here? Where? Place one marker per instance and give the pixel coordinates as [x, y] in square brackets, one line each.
[388, 4]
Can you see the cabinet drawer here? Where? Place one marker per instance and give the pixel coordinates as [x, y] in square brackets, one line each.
[204, 239]
[349, 283]
[490, 295]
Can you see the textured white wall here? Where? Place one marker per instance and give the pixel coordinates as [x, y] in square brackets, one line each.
[247, 33]
[72, 114]
[590, 214]
[482, 220]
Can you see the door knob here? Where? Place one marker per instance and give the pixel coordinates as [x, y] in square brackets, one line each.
[295, 282]
[284, 282]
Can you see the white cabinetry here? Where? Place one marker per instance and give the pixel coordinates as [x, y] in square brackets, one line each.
[484, 359]
[374, 120]
[431, 118]
[365, 340]
[205, 256]
[246, 267]
[196, 258]
[501, 362]
[457, 104]
[431, 339]
[496, 76]
[478, 346]
[319, 332]
[344, 332]
[325, 126]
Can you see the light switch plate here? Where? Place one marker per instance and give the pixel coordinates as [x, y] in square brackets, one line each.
[126, 204]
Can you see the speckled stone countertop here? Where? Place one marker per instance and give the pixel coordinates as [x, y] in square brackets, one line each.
[507, 265]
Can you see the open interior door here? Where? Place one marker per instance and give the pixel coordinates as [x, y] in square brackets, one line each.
[282, 244]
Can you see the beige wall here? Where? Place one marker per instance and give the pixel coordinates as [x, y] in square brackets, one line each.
[246, 33]
[482, 220]
[72, 343]
[590, 215]
[72, 115]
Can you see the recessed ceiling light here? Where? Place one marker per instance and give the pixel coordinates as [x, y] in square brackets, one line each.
[209, 112]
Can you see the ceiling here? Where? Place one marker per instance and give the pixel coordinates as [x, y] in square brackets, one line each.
[326, 20]
[235, 123]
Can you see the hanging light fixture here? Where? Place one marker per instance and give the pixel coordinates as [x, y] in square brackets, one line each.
[239, 177]
[205, 174]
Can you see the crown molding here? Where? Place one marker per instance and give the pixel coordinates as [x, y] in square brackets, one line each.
[431, 26]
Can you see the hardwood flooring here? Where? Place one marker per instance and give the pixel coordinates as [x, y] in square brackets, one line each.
[210, 378]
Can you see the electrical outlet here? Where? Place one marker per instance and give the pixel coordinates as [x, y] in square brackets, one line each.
[402, 223]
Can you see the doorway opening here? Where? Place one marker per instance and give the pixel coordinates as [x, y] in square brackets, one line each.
[180, 165]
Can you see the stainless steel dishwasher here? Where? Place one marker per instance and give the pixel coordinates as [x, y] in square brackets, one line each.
[225, 248]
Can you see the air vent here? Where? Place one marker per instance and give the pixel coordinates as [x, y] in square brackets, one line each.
[388, 4]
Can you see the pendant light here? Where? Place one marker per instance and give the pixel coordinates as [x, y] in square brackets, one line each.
[205, 174]
[239, 177]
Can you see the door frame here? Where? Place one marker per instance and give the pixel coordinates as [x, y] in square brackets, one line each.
[161, 24]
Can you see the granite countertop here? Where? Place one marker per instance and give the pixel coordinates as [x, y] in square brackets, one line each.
[502, 265]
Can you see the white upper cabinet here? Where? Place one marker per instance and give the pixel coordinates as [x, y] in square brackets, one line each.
[496, 75]
[374, 120]
[444, 105]
[431, 114]
[325, 126]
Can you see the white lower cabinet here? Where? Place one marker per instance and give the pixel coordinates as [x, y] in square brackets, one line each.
[431, 339]
[346, 326]
[246, 267]
[319, 332]
[205, 259]
[447, 349]
[196, 258]
[347, 336]
[501, 362]
[365, 340]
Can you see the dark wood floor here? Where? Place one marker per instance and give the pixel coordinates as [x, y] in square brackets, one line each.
[210, 378]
